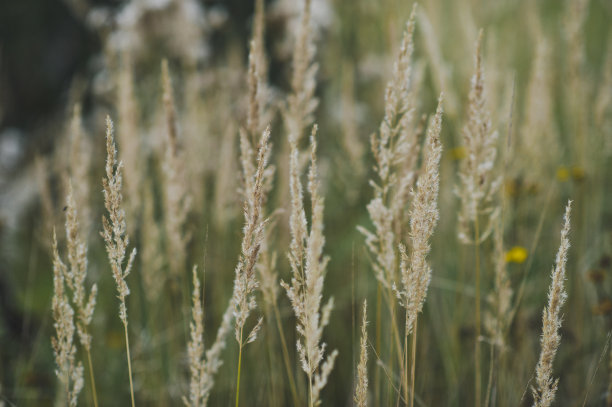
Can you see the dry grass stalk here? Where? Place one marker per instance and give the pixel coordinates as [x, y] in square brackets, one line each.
[302, 102]
[115, 233]
[395, 151]
[478, 183]
[308, 266]
[424, 214]
[298, 112]
[546, 385]
[80, 158]
[257, 110]
[129, 138]
[195, 349]
[203, 369]
[203, 365]
[198, 383]
[539, 134]
[361, 392]
[69, 371]
[76, 274]
[264, 93]
[497, 320]
[415, 272]
[245, 282]
[176, 196]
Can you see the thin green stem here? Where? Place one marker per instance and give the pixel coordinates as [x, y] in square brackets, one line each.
[127, 348]
[310, 401]
[477, 350]
[491, 374]
[91, 377]
[378, 340]
[413, 367]
[239, 368]
[296, 400]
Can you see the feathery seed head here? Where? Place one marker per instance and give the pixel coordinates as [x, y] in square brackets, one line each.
[546, 386]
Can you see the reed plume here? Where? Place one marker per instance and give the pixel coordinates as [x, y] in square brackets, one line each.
[395, 151]
[195, 348]
[301, 103]
[478, 183]
[546, 385]
[424, 215]
[68, 371]
[539, 133]
[75, 276]
[115, 234]
[129, 139]
[176, 196]
[245, 282]
[204, 365]
[308, 266]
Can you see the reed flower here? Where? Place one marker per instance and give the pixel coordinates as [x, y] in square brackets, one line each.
[308, 266]
[176, 196]
[302, 102]
[396, 151]
[76, 274]
[115, 234]
[246, 282]
[68, 371]
[424, 214]
[114, 226]
[546, 385]
[478, 183]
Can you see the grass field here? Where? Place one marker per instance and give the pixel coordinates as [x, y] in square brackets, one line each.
[231, 183]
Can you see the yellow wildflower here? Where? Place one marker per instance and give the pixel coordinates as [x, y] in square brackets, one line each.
[563, 174]
[517, 254]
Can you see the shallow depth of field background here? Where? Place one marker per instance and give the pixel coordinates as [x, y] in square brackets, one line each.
[54, 54]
